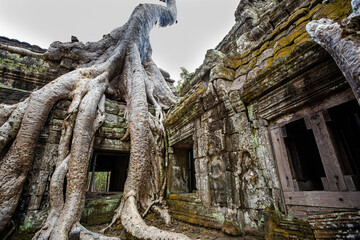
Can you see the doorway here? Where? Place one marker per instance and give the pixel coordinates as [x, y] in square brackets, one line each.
[108, 172]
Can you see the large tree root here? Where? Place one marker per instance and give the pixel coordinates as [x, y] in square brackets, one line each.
[121, 66]
[135, 225]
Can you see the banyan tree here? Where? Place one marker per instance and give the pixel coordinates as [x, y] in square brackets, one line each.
[119, 67]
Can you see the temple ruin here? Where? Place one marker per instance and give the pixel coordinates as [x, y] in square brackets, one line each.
[263, 142]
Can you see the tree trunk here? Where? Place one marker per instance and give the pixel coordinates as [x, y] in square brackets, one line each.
[119, 65]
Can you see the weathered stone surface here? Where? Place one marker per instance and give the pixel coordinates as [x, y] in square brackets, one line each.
[336, 225]
[279, 227]
[100, 209]
[188, 208]
[221, 72]
[278, 69]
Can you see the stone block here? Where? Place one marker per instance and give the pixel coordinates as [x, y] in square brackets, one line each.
[204, 189]
[111, 144]
[229, 189]
[205, 116]
[100, 210]
[278, 16]
[202, 145]
[209, 98]
[215, 125]
[236, 103]
[265, 55]
[220, 72]
[203, 165]
[188, 208]
[257, 198]
[293, 5]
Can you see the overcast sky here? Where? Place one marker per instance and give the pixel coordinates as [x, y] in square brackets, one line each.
[202, 24]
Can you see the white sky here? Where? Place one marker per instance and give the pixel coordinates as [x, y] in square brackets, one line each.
[202, 25]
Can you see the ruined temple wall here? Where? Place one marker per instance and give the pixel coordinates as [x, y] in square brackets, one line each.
[234, 170]
[265, 71]
[282, 75]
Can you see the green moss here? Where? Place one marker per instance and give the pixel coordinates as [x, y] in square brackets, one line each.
[188, 208]
[265, 46]
[336, 10]
[99, 211]
[289, 39]
[11, 88]
[284, 227]
[32, 223]
[286, 46]
[223, 73]
[252, 64]
[187, 106]
[26, 64]
[294, 17]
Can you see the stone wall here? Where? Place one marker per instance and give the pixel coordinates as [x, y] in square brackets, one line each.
[266, 71]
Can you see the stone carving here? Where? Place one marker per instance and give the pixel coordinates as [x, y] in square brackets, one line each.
[217, 175]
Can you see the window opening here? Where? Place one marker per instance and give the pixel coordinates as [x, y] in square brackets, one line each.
[305, 161]
[344, 124]
[108, 172]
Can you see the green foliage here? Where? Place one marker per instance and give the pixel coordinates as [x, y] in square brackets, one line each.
[101, 181]
[185, 76]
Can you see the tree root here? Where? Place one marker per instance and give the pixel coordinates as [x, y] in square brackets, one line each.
[135, 225]
[10, 127]
[123, 64]
[149, 207]
[85, 234]
[22, 51]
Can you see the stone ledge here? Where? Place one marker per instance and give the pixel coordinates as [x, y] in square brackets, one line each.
[188, 208]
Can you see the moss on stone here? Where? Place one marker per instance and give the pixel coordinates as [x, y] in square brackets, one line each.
[230, 227]
[287, 46]
[26, 64]
[336, 10]
[293, 18]
[278, 226]
[188, 208]
[13, 89]
[31, 224]
[220, 72]
[290, 38]
[187, 106]
[100, 211]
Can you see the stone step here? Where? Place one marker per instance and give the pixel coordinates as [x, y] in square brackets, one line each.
[336, 225]
[188, 208]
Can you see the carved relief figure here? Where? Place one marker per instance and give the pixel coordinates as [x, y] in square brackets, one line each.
[217, 170]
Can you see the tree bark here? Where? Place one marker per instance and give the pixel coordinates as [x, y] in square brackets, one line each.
[119, 65]
[343, 44]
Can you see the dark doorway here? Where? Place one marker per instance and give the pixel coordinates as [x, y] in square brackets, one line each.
[182, 171]
[344, 124]
[304, 156]
[191, 165]
[108, 172]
